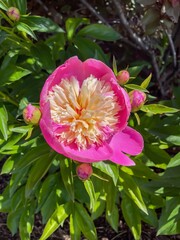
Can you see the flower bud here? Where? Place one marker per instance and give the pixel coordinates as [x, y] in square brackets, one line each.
[13, 13]
[123, 77]
[84, 171]
[31, 114]
[137, 99]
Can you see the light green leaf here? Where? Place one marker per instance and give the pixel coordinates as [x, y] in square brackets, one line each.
[75, 232]
[100, 32]
[58, 217]
[3, 5]
[131, 216]
[3, 122]
[158, 109]
[8, 166]
[136, 87]
[90, 190]
[132, 190]
[146, 82]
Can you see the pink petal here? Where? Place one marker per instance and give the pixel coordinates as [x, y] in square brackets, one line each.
[120, 158]
[128, 141]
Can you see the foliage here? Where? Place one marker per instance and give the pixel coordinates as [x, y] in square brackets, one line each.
[46, 182]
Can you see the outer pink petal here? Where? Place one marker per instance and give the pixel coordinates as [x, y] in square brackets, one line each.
[72, 67]
[128, 141]
[120, 158]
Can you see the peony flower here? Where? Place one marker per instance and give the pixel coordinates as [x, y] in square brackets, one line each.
[85, 114]
[31, 114]
[13, 13]
[137, 99]
[84, 171]
[123, 77]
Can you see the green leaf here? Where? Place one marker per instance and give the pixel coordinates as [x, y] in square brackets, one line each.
[90, 190]
[158, 109]
[135, 70]
[27, 220]
[13, 219]
[58, 217]
[85, 222]
[8, 166]
[67, 175]
[41, 24]
[132, 190]
[100, 32]
[43, 54]
[136, 87]
[37, 172]
[109, 168]
[12, 73]
[3, 5]
[131, 216]
[72, 24]
[75, 232]
[146, 82]
[22, 27]
[3, 122]
[169, 222]
[5, 201]
[115, 66]
[31, 156]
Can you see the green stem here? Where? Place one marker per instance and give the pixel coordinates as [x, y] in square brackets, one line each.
[8, 99]
[6, 18]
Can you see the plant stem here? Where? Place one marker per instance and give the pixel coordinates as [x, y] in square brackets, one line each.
[8, 99]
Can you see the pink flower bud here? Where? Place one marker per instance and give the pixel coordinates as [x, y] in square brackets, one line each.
[123, 77]
[31, 114]
[13, 13]
[137, 99]
[84, 171]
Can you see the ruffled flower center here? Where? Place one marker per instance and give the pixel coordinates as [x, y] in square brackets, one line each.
[86, 115]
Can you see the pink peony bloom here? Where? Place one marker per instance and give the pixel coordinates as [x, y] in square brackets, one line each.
[137, 99]
[85, 114]
[31, 114]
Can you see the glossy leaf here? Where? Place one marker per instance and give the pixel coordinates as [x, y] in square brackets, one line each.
[58, 217]
[100, 32]
[90, 190]
[136, 87]
[158, 109]
[146, 82]
[75, 232]
[132, 190]
[22, 27]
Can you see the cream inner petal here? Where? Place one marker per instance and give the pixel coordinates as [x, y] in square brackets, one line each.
[88, 114]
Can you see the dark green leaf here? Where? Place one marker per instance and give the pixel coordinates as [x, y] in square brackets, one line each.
[100, 32]
[85, 222]
[22, 27]
[13, 219]
[41, 24]
[75, 232]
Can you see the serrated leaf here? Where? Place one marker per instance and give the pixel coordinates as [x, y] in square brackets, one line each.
[58, 217]
[158, 109]
[100, 32]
